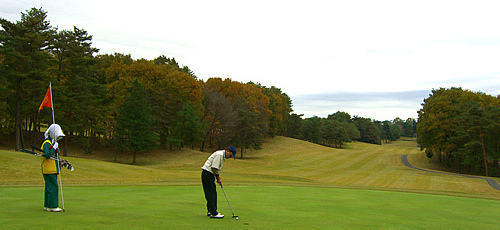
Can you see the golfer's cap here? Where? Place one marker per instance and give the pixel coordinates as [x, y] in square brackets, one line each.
[233, 151]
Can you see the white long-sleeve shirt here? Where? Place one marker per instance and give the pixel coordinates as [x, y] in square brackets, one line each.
[216, 160]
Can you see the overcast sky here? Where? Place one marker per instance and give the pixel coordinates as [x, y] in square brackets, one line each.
[373, 59]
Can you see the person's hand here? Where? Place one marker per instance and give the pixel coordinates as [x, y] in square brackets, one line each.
[219, 181]
[55, 146]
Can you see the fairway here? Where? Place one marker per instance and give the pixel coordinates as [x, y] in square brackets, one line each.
[259, 207]
[287, 184]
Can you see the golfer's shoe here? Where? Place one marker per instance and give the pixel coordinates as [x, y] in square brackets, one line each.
[218, 216]
[55, 209]
[46, 209]
[208, 214]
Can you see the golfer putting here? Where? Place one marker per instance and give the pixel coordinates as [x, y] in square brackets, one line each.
[210, 172]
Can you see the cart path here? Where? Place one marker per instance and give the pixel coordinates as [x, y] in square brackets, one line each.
[493, 183]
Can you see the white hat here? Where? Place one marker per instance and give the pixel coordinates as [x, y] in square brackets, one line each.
[54, 132]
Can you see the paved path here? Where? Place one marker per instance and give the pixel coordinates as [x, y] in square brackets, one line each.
[493, 183]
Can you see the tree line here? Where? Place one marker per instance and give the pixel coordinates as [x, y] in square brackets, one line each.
[112, 100]
[136, 105]
[461, 128]
[340, 128]
[91, 92]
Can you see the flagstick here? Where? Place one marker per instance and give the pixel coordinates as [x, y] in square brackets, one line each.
[52, 103]
[57, 154]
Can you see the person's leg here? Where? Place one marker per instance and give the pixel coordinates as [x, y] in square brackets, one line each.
[205, 188]
[210, 191]
[51, 191]
[46, 194]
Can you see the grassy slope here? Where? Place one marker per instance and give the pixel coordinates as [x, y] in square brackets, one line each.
[303, 199]
[282, 161]
[361, 165]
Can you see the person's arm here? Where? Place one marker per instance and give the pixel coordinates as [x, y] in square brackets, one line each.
[49, 150]
[216, 173]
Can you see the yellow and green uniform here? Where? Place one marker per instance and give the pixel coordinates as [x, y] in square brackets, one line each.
[50, 169]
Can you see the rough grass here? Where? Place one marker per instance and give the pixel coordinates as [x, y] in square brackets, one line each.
[282, 161]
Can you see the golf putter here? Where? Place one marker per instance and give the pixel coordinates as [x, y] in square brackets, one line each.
[228, 201]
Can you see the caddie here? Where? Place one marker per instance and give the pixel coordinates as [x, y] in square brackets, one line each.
[210, 172]
[50, 167]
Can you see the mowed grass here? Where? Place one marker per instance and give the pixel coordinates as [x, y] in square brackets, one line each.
[258, 207]
[288, 184]
[289, 161]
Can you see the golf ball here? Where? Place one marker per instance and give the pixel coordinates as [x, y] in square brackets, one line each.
[237, 218]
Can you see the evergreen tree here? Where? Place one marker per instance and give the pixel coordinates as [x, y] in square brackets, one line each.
[246, 132]
[188, 129]
[387, 133]
[368, 130]
[341, 117]
[134, 123]
[294, 126]
[25, 61]
[351, 130]
[311, 130]
[81, 96]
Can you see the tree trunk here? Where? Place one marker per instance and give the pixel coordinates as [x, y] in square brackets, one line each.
[17, 129]
[65, 150]
[484, 152]
[241, 151]
[202, 148]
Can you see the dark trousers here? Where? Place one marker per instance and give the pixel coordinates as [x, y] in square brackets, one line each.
[51, 191]
[208, 181]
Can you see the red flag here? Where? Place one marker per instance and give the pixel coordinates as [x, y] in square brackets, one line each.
[47, 100]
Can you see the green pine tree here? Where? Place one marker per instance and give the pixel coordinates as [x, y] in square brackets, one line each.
[25, 60]
[134, 123]
[188, 129]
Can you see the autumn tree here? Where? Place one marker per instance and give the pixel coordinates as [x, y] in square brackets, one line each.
[174, 90]
[280, 106]
[166, 86]
[461, 128]
[252, 106]
[437, 120]
[219, 117]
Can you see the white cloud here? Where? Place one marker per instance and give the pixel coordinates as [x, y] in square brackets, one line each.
[403, 104]
[302, 47]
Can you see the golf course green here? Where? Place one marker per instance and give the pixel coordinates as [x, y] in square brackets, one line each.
[289, 184]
